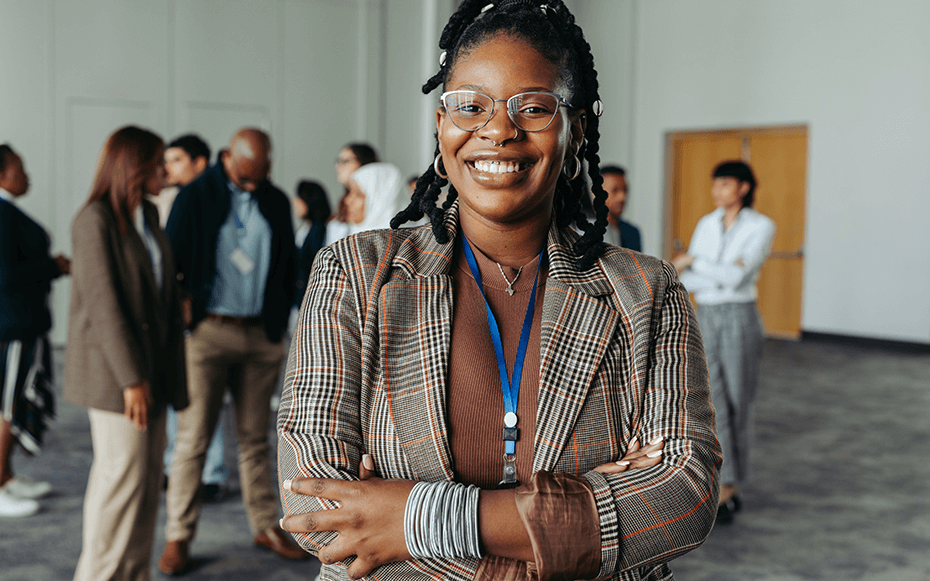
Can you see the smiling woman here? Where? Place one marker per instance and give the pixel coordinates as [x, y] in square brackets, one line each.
[406, 450]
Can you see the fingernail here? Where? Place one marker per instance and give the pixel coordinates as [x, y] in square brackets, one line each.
[623, 463]
[281, 523]
[287, 485]
[656, 441]
[655, 454]
[368, 462]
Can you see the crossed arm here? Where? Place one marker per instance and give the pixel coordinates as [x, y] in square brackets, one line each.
[370, 517]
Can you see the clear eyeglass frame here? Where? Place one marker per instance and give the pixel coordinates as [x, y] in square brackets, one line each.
[525, 121]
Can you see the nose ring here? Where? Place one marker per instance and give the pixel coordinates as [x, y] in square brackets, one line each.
[516, 134]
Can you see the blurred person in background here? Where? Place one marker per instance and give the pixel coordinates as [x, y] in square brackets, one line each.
[124, 359]
[311, 206]
[351, 157]
[722, 266]
[619, 232]
[233, 240]
[185, 159]
[26, 388]
[374, 193]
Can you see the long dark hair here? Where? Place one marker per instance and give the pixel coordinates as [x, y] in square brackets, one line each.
[365, 153]
[314, 197]
[550, 28]
[126, 162]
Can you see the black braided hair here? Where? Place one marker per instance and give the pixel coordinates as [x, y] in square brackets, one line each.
[549, 27]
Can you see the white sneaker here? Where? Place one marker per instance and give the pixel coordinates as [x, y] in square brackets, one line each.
[12, 506]
[27, 489]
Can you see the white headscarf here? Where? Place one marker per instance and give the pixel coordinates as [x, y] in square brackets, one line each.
[382, 184]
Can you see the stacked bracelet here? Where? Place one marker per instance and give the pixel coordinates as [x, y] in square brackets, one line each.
[441, 521]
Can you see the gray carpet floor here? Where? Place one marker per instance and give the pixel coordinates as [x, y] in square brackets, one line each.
[840, 487]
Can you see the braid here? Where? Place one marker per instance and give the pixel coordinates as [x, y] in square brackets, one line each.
[549, 27]
[423, 202]
[591, 244]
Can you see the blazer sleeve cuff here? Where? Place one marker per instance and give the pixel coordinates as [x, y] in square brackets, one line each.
[608, 522]
[560, 514]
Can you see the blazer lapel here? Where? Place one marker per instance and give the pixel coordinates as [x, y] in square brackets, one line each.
[415, 326]
[578, 321]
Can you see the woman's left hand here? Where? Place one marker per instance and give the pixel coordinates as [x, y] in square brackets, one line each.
[636, 457]
[369, 519]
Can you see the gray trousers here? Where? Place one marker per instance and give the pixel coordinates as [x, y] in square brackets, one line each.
[733, 341]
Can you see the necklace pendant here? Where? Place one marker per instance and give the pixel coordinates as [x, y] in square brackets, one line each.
[509, 282]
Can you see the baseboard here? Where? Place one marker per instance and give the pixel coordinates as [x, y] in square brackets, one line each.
[889, 344]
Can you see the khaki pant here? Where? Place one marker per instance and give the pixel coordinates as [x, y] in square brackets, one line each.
[220, 355]
[121, 504]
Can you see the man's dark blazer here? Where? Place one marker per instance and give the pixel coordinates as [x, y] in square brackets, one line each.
[26, 274]
[193, 229]
[629, 236]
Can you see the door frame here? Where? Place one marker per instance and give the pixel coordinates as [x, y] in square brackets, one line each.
[746, 134]
[668, 248]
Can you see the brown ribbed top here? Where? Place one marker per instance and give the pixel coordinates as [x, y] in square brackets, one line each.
[475, 399]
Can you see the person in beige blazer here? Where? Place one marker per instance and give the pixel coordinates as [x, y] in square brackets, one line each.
[124, 358]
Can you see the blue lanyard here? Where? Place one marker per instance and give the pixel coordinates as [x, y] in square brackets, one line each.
[510, 389]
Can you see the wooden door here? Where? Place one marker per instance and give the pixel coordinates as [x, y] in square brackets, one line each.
[778, 157]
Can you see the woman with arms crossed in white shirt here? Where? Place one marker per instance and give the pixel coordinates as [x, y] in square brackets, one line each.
[721, 268]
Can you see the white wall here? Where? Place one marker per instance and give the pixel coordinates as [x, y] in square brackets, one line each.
[319, 73]
[314, 73]
[858, 74]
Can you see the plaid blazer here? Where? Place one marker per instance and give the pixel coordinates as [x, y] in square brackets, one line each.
[621, 356]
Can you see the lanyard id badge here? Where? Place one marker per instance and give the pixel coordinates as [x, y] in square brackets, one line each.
[510, 386]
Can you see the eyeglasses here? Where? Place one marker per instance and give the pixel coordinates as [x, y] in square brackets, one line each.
[471, 110]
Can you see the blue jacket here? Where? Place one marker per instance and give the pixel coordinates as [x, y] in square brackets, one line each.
[193, 228]
[26, 274]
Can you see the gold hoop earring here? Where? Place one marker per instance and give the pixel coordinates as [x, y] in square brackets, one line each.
[577, 171]
[436, 167]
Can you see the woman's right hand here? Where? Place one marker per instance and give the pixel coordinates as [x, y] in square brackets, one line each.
[636, 457]
[138, 402]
